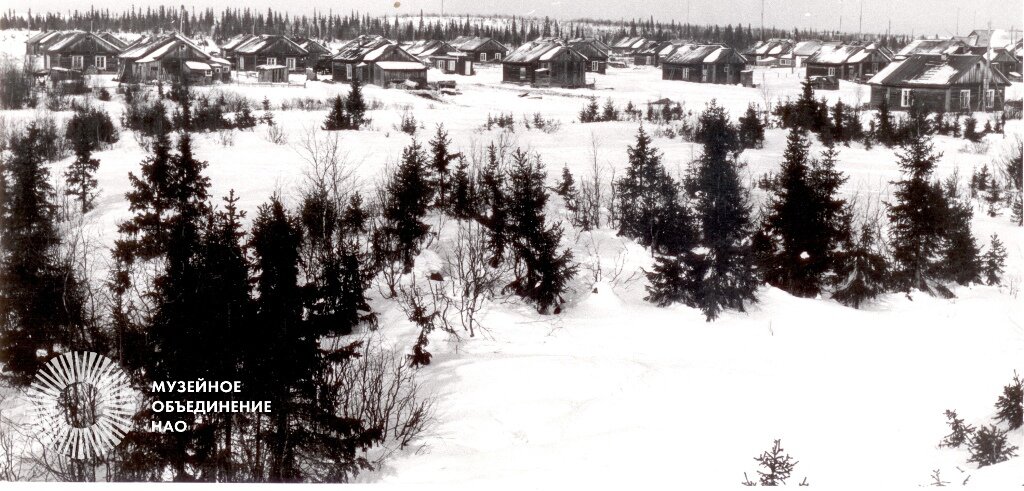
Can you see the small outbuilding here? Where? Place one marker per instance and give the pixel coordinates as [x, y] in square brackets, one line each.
[272, 74]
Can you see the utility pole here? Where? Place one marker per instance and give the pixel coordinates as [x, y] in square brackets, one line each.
[762, 20]
[860, 21]
[840, 19]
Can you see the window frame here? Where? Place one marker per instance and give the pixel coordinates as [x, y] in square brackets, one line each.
[831, 71]
[595, 66]
[271, 60]
[990, 98]
[77, 62]
[291, 63]
[100, 62]
[965, 99]
[483, 56]
[905, 97]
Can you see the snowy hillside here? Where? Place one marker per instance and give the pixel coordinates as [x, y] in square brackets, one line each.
[615, 390]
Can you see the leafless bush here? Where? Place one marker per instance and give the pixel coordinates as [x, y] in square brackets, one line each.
[616, 273]
[226, 137]
[276, 134]
[327, 166]
[469, 280]
[380, 388]
[426, 304]
[977, 148]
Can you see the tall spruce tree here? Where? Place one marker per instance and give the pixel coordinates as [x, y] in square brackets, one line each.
[440, 163]
[918, 219]
[355, 106]
[726, 264]
[41, 302]
[337, 118]
[751, 129]
[80, 175]
[542, 272]
[497, 202]
[885, 132]
[408, 194]
[650, 209]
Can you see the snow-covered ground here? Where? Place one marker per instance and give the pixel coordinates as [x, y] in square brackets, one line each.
[616, 390]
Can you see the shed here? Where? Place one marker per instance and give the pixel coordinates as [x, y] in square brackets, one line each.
[274, 74]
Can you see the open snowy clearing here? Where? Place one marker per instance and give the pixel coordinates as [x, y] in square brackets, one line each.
[616, 390]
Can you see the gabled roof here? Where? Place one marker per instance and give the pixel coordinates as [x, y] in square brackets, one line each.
[358, 48]
[630, 43]
[771, 47]
[428, 47]
[542, 49]
[72, 38]
[116, 41]
[704, 53]
[835, 56]
[156, 49]
[473, 43]
[932, 47]
[236, 41]
[593, 49]
[264, 43]
[311, 45]
[996, 38]
[934, 71]
[806, 48]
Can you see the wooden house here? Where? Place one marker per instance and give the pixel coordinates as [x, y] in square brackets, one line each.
[848, 62]
[947, 83]
[378, 61]
[655, 53]
[171, 58]
[441, 55]
[704, 63]
[73, 50]
[1001, 59]
[596, 52]
[630, 45]
[545, 62]
[802, 50]
[990, 38]
[481, 49]
[949, 46]
[318, 57]
[770, 53]
[246, 52]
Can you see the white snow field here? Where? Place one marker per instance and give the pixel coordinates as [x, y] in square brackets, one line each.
[615, 390]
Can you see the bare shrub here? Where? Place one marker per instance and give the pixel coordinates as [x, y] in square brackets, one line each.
[469, 280]
[380, 388]
[226, 137]
[276, 134]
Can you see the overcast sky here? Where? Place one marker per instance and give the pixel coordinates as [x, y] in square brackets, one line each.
[917, 16]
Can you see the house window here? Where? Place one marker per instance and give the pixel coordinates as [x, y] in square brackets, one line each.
[594, 66]
[290, 62]
[905, 98]
[76, 61]
[241, 63]
[990, 98]
[100, 62]
[440, 64]
[497, 56]
[704, 74]
[727, 69]
[271, 60]
[522, 73]
[348, 71]
[686, 74]
[650, 60]
[209, 73]
[965, 99]
[451, 65]
[831, 71]
[483, 56]
[784, 61]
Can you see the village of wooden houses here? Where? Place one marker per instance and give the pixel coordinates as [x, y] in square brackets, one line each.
[957, 73]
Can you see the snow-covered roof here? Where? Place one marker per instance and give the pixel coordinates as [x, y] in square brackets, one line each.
[270, 67]
[197, 65]
[932, 46]
[473, 43]
[704, 53]
[359, 48]
[543, 49]
[933, 70]
[400, 65]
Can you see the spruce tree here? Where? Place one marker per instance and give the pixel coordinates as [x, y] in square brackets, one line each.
[994, 261]
[884, 132]
[80, 175]
[960, 259]
[440, 163]
[541, 270]
[863, 272]
[806, 223]
[751, 129]
[337, 119]
[41, 302]
[650, 208]
[355, 106]
[408, 195]
[726, 262]
[971, 129]
[493, 194]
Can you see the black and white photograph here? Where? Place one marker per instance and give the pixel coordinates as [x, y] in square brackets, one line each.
[529, 244]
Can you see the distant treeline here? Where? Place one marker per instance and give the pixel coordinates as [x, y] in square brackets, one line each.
[330, 26]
